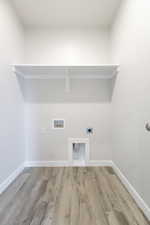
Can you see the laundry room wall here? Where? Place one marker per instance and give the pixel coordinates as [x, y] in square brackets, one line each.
[87, 105]
[11, 100]
[67, 46]
[131, 96]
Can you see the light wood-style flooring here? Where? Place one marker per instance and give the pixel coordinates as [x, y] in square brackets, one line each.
[69, 196]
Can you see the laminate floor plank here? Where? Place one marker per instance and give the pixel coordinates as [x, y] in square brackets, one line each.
[69, 196]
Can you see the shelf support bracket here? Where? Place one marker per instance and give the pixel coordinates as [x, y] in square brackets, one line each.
[67, 81]
[18, 73]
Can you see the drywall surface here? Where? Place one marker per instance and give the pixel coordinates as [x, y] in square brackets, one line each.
[11, 101]
[54, 91]
[87, 104]
[67, 46]
[131, 98]
[47, 144]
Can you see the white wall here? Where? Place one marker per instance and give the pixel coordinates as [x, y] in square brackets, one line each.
[67, 46]
[11, 110]
[46, 144]
[88, 103]
[131, 99]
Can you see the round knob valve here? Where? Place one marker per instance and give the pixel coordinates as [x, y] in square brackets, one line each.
[147, 126]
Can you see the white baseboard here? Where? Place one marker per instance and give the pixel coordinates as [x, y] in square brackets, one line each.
[100, 163]
[140, 202]
[46, 163]
[11, 178]
[66, 163]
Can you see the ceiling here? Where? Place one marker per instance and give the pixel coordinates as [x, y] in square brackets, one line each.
[65, 13]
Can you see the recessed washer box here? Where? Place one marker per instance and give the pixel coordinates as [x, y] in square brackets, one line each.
[78, 151]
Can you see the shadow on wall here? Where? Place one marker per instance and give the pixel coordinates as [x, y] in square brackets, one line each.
[53, 91]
